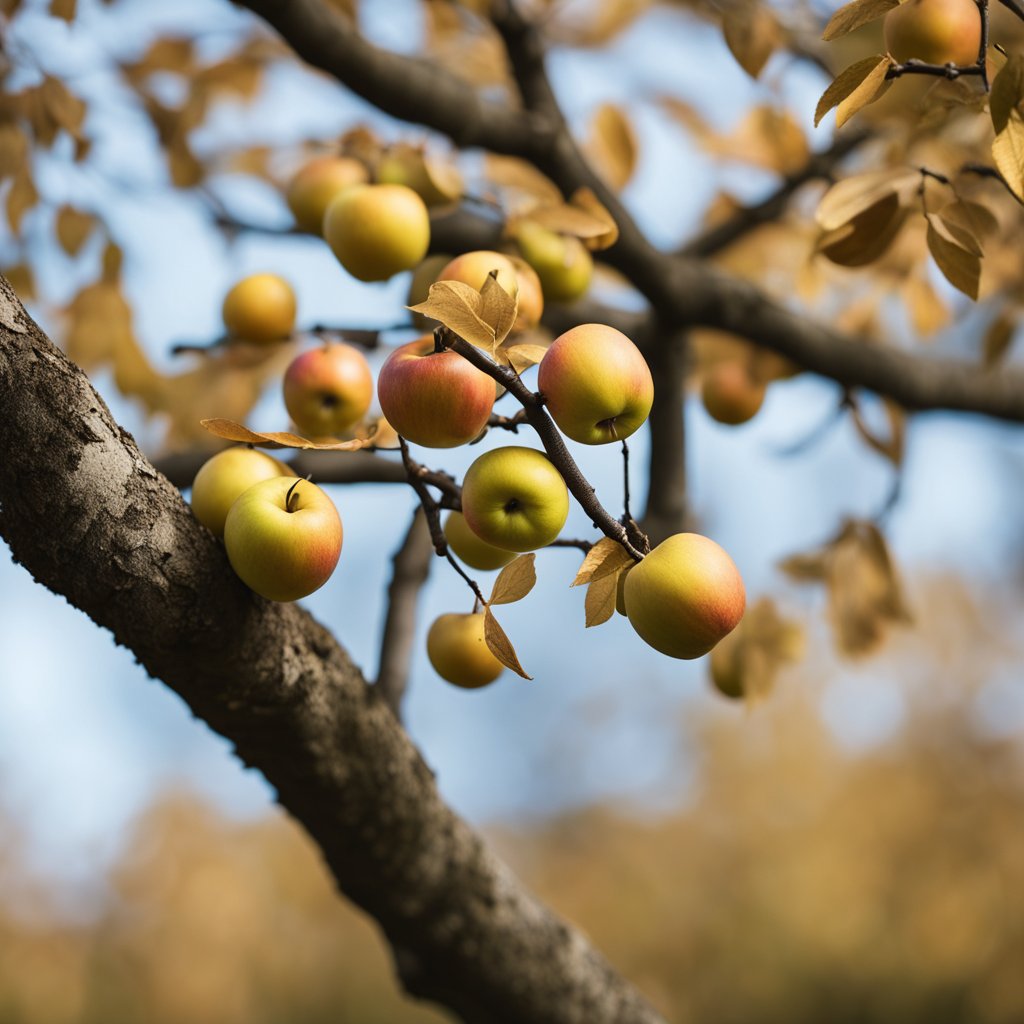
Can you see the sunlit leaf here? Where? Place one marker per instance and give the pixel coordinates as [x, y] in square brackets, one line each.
[960, 266]
[613, 145]
[73, 228]
[231, 431]
[753, 34]
[599, 604]
[854, 88]
[607, 556]
[1005, 105]
[500, 645]
[852, 16]
[457, 306]
[498, 309]
[515, 581]
[856, 194]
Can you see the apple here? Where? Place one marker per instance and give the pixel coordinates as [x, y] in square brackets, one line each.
[730, 393]
[685, 596]
[727, 667]
[419, 287]
[222, 478]
[515, 499]
[311, 190]
[472, 268]
[531, 295]
[596, 383]
[562, 262]
[260, 308]
[436, 399]
[469, 548]
[934, 31]
[459, 653]
[283, 538]
[436, 184]
[620, 591]
[328, 389]
[377, 231]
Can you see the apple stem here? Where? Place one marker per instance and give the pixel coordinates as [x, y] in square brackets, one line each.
[625, 480]
[291, 492]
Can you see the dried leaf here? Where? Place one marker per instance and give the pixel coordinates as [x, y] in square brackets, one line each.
[457, 306]
[860, 84]
[231, 431]
[66, 109]
[22, 280]
[973, 218]
[515, 581]
[998, 337]
[521, 176]
[113, 257]
[960, 266]
[600, 600]
[564, 219]
[806, 568]
[498, 309]
[522, 355]
[63, 9]
[584, 199]
[1005, 106]
[752, 34]
[854, 195]
[186, 170]
[21, 198]
[73, 228]
[607, 556]
[13, 149]
[852, 16]
[867, 236]
[613, 145]
[766, 137]
[500, 645]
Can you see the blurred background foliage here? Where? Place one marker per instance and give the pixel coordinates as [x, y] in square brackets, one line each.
[805, 878]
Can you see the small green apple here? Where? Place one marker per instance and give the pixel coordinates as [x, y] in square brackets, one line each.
[685, 596]
[596, 383]
[283, 538]
[459, 653]
[514, 498]
[470, 549]
[377, 231]
[319, 182]
[222, 478]
[328, 389]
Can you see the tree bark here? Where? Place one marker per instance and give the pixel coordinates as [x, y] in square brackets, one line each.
[91, 519]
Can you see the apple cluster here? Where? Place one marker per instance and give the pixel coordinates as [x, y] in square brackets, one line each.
[283, 535]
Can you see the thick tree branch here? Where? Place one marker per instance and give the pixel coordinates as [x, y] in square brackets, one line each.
[411, 568]
[91, 519]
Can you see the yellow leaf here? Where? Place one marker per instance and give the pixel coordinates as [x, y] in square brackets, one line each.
[584, 199]
[853, 89]
[599, 604]
[498, 309]
[231, 431]
[960, 266]
[752, 34]
[457, 306]
[521, 176]
[73, 228]
[852, 16]
[13, 149]
[515, 581]
[1004, 104]
[867, 236]
[852, 196]
[113, 257]
[998, 338]
[607, 556]
[522, 355]
[500, 645]
[612, 145]
[21, 198]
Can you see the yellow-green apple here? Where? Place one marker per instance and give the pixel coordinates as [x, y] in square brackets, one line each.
[684, 596]
[730, 393]
[472, 268]
[436, 399]
[436, 183]
[283, 538]
[260, 308]
[222, 478]
[459, 653]
[328, 389]
[317, 183]
[596, 383]
[469, 548]
[377, 231]
[726, 666]
[419, 286]
[620, 591]
[934, 31]
[514, 498]
[562, 262]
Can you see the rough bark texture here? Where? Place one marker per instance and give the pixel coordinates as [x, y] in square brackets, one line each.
[90, 518]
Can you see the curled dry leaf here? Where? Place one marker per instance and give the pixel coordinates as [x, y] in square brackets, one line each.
[860, 84]
[515, 581]
[584, 199]
[854, 15]
[607, 556]
[521, 355]
[867, 236]
[753, 34]
[854, 195]
[458, 307]
[498, 309]
[232, 431]
[599, 604]
[1005, 105]
[613, 145]
[500, 645]
[510, 172]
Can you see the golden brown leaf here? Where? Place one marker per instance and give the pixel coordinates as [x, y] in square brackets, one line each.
[854, 15]
[599, 604]
[753, 34]
[584, 199]
[22, 280]
[13, 149]
[63, 9]
[867, 236]
[521, 176]
[457, 306]
[928, 313]
[960, 266]
[1005, 105]
[500, 645]
[21, 198]
[605, 557]
[231, 431]
[998, 337]
[893, 446]
[860, 84]
[73, 228]
[498, 309]
[515, 581]
[613, 145]
[854, 195]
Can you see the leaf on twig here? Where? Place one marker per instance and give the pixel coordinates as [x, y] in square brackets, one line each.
[498, 309]
[854, 15]
[515, 581]
[612, 145]
[860, 84]
[607, 556]
[998, 337]
[753, 34]
[599, 604]
[232, 431]
[961, 266]
[891, 447]
[458, 307]
[1007, 120]
[500, 645]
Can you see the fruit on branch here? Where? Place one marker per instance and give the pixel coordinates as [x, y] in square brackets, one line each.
[730, 393]
[419, 287]
[283, 538]
[377, 231]
[436, 399]
[596, 383]
[562, 262]
[459, 653]
[260, 308]
[224, 477]
[435, 183]
[727, 667]
[469, 548]
[685, 596]
[934, 31]
[514, 498]
[531, 295]
[320, 181]
[328, 389]
[620, 591]
[472, 268]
